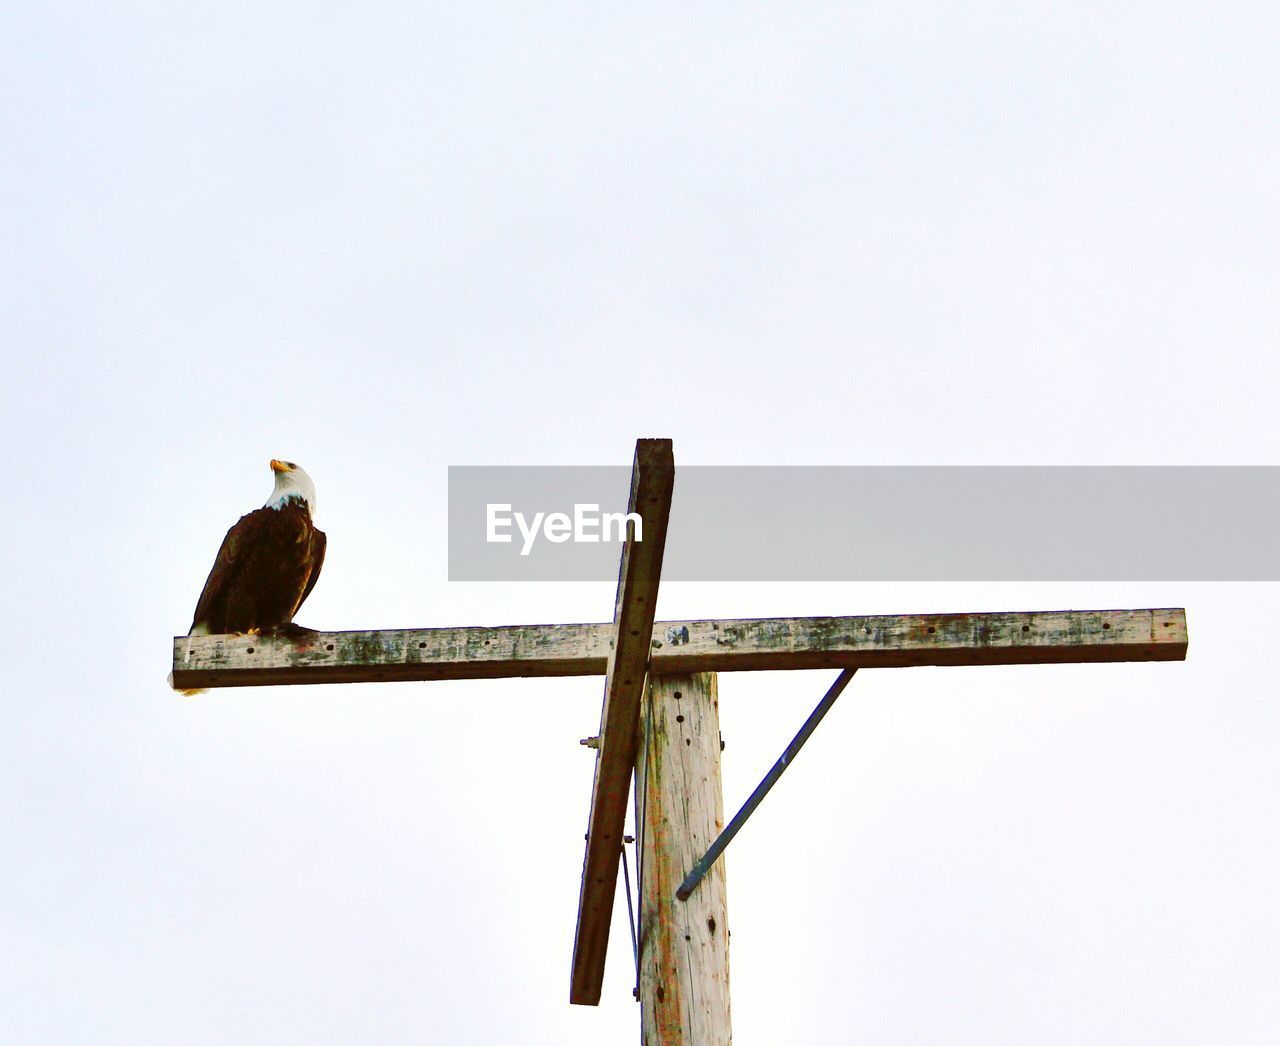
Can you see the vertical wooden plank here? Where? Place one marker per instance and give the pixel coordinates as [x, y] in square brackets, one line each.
[652, 479]
[684, 945]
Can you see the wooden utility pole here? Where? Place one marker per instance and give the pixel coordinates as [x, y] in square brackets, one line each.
[684, 945]
[660, 715]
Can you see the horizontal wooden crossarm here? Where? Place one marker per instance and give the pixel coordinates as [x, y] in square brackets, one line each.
[727, 645]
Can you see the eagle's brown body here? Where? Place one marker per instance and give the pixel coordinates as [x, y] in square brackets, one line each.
[267, 565]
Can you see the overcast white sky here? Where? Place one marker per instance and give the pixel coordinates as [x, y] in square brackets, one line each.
[383, 241]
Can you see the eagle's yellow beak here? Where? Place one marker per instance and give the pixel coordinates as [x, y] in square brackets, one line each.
[279, 466]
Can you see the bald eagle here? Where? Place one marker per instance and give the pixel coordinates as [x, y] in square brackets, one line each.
[267, 565]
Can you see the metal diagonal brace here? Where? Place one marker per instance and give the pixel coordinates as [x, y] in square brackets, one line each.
[762, 789]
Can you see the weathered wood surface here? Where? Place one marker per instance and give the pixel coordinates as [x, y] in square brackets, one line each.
[881, 641]
[652, 479]
[684, 945]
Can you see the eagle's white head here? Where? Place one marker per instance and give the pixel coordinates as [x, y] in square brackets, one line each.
[292, 481]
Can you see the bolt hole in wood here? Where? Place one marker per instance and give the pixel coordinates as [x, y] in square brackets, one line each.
[932, 630]
[328, 646]
[677, 695]
[250, 650]
[679, 718]
[1026, 628]
[1106, 624]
